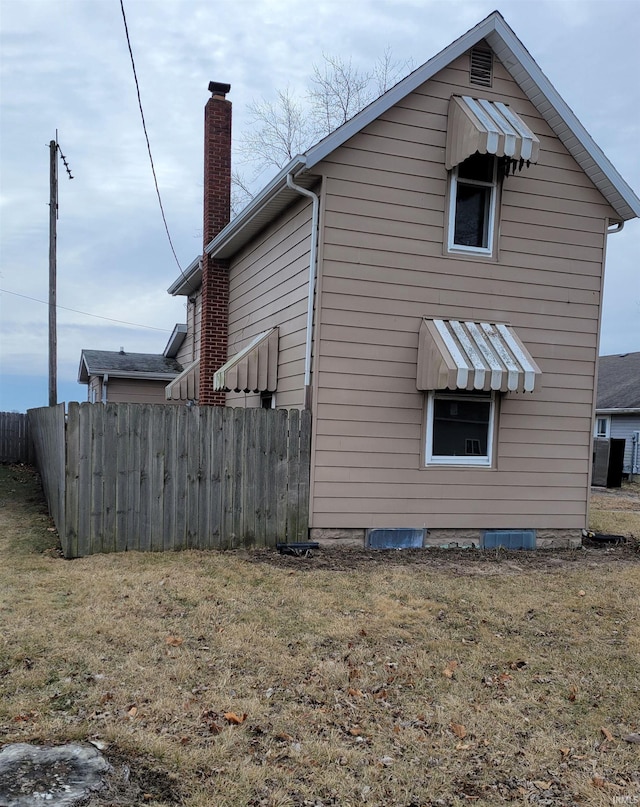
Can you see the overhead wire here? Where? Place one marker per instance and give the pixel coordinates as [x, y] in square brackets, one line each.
[86, 313]
[146, 135]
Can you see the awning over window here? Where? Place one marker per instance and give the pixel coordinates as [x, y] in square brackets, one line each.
[489, 127]
[254, 368]
[185, 386]
[473, 356]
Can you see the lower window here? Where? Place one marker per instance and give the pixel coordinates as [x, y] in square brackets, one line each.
[460, 428]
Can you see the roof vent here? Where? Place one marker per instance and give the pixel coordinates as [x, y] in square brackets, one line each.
[481, 67]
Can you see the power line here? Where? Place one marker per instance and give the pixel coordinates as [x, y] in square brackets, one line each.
[86, 313]
[144, 126]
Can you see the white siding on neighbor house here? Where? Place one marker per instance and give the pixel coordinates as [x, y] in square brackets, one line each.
[622, 428]
[268, 287]
[384, 268]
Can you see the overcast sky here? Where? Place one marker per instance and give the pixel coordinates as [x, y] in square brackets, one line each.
[65, 66]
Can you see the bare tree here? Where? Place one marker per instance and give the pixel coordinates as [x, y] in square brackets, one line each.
[287, 126]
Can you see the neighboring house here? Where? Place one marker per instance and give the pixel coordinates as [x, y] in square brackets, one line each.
[119, 377]
[428, 281]
[618, 405]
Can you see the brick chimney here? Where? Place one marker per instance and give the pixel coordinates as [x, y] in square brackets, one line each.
[215, 273]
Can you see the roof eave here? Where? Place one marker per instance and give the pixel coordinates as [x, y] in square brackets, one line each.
[189, 281]
[629, 410]
[272, 199]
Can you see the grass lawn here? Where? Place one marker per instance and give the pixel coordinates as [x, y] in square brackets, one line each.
[407, 680]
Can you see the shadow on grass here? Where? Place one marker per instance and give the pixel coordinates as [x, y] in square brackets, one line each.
[26, 525]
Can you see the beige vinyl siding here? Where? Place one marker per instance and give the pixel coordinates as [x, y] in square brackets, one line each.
[129, 390]
[269, 287]
[190, 347]
[384, 267]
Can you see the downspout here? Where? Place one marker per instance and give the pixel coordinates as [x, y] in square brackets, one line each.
[315, 217]
[105, 381]
[615, 228]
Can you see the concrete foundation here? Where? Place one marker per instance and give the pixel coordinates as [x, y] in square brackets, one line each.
[445, 538]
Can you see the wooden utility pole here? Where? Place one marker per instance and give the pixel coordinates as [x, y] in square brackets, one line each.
[53, 217]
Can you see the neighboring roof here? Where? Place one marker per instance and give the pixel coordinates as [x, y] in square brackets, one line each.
[276, 196]
[473, 356]
[147, 366]
[619, 382]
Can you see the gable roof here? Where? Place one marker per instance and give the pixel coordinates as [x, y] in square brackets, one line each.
[276, 196]
[619, 382]
[149, 366]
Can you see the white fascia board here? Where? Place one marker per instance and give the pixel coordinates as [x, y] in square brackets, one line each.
[551, 105]
[111, 374]
[83, 370]
[188, 280]
[256, 206]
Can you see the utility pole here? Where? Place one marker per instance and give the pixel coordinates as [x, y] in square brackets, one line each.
[53, 217]
[54, 148]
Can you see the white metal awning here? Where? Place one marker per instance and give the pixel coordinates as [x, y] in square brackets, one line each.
[490, 127]
[185, 387]
[254, 368]
[473, 356]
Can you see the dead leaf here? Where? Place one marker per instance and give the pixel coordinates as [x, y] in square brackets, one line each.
[582, 593]
[463, 747]
[597, 781]
[355, 731]
[234, 719]
[573, 691]
[542, 785]
[354, 673]
[607, 734]
[458, 729]
[380, 695]
[517, 665]
[355, 693]
[132, 712]
[284, 737]
[174, 641]
[450, 669]
[632, 738]
[565, 752]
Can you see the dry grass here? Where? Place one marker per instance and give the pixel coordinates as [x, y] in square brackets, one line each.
[382, 684]
[616, 511]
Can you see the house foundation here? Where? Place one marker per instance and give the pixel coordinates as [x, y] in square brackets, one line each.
[444, 538]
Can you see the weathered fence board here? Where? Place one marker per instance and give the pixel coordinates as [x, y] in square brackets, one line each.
[15, 438]
[154, 477]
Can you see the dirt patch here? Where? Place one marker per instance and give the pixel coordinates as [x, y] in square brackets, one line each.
[459, 561]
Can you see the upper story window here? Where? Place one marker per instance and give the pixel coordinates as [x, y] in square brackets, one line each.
[472, 204]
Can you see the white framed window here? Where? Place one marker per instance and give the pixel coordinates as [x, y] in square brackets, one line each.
[460, 428]
[603, 427]
[473, 196]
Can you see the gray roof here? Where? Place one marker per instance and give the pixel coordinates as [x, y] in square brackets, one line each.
[127, 365]
[619, 381]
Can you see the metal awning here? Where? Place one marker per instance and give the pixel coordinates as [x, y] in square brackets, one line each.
[490, 127]
[473, 356]
[254, 368]
[185, 387]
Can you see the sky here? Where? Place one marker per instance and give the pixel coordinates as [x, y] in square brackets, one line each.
[65, 66]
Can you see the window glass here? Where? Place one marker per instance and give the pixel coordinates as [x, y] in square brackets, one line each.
[460, 428]
[472, 204]
[472, 219]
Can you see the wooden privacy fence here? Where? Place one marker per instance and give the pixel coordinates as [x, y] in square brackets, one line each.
[156, 477]
[15, 441]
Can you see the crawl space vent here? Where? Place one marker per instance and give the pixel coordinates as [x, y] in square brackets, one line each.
[509, 539]
[481, 70]
[396, 538]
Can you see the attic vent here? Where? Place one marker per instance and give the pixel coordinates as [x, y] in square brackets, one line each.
[481, 69]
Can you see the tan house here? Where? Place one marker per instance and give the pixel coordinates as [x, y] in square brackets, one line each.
[122, 377]
[428, 281]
